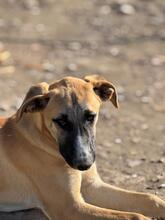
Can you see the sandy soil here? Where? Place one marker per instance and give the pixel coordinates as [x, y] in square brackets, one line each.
[45, 40]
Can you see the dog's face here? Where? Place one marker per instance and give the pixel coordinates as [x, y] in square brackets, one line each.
[69, 109]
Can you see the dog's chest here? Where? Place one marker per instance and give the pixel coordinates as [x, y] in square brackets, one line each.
[16, 190]
[29, 202]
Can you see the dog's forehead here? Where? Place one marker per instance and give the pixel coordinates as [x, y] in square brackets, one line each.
[70, 82]
[74, 91]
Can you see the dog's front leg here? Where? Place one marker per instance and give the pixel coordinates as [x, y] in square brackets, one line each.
[86, 211]
[96, 192]
[63, 200]
[80, 210]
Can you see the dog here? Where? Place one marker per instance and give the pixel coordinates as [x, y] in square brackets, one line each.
[47, 151]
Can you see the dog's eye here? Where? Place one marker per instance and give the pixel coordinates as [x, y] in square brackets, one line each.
[63, 122]
[90, 116]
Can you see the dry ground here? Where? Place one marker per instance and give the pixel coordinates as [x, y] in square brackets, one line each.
[46, 40]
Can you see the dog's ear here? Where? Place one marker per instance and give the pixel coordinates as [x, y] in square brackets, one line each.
[35, 100]
[39, 89]
[103, 88]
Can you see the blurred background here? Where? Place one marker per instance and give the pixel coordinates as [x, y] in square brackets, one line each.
[122, 40]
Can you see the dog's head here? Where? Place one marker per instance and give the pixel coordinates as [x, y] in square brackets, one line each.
[69, 109]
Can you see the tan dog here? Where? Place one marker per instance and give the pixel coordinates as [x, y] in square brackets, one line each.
[47, 152]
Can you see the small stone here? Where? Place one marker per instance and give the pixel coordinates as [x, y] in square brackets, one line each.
[143, 158]
[105, 10]
[75, 46]
[121, 97]
[120, 89]
[144, 126]
[4, 107]
[138, 93]
[134, 175]
[29, 4]
[133, 152]
[160, 109]
[48, 67]
[7, 70]
[160, 177]
[161, 144]
[118, 141]
[135, 140]
[157, 160]
[107, 144]
[156, 20]
[40, 27]
[158, 85]
[162, 160]
[154, 180]
[145, 99]
[162, 186]
[133, 163]
[4, 55]
[149, 187]
[72, 67]
[161, 127]
[127, 9]
[97, 21]
[114, 51]
[35, 47]
[155, 61]
[11, 1]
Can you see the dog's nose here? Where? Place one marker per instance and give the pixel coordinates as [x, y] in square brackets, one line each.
[82, 164]
[83, 167]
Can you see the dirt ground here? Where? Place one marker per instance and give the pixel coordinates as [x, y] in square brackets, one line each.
[123, 40]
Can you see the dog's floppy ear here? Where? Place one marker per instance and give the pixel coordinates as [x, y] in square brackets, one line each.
[104, 89]
[36, 99]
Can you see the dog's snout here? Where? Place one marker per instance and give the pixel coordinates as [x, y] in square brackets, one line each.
[79, 153]
[83, 161]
